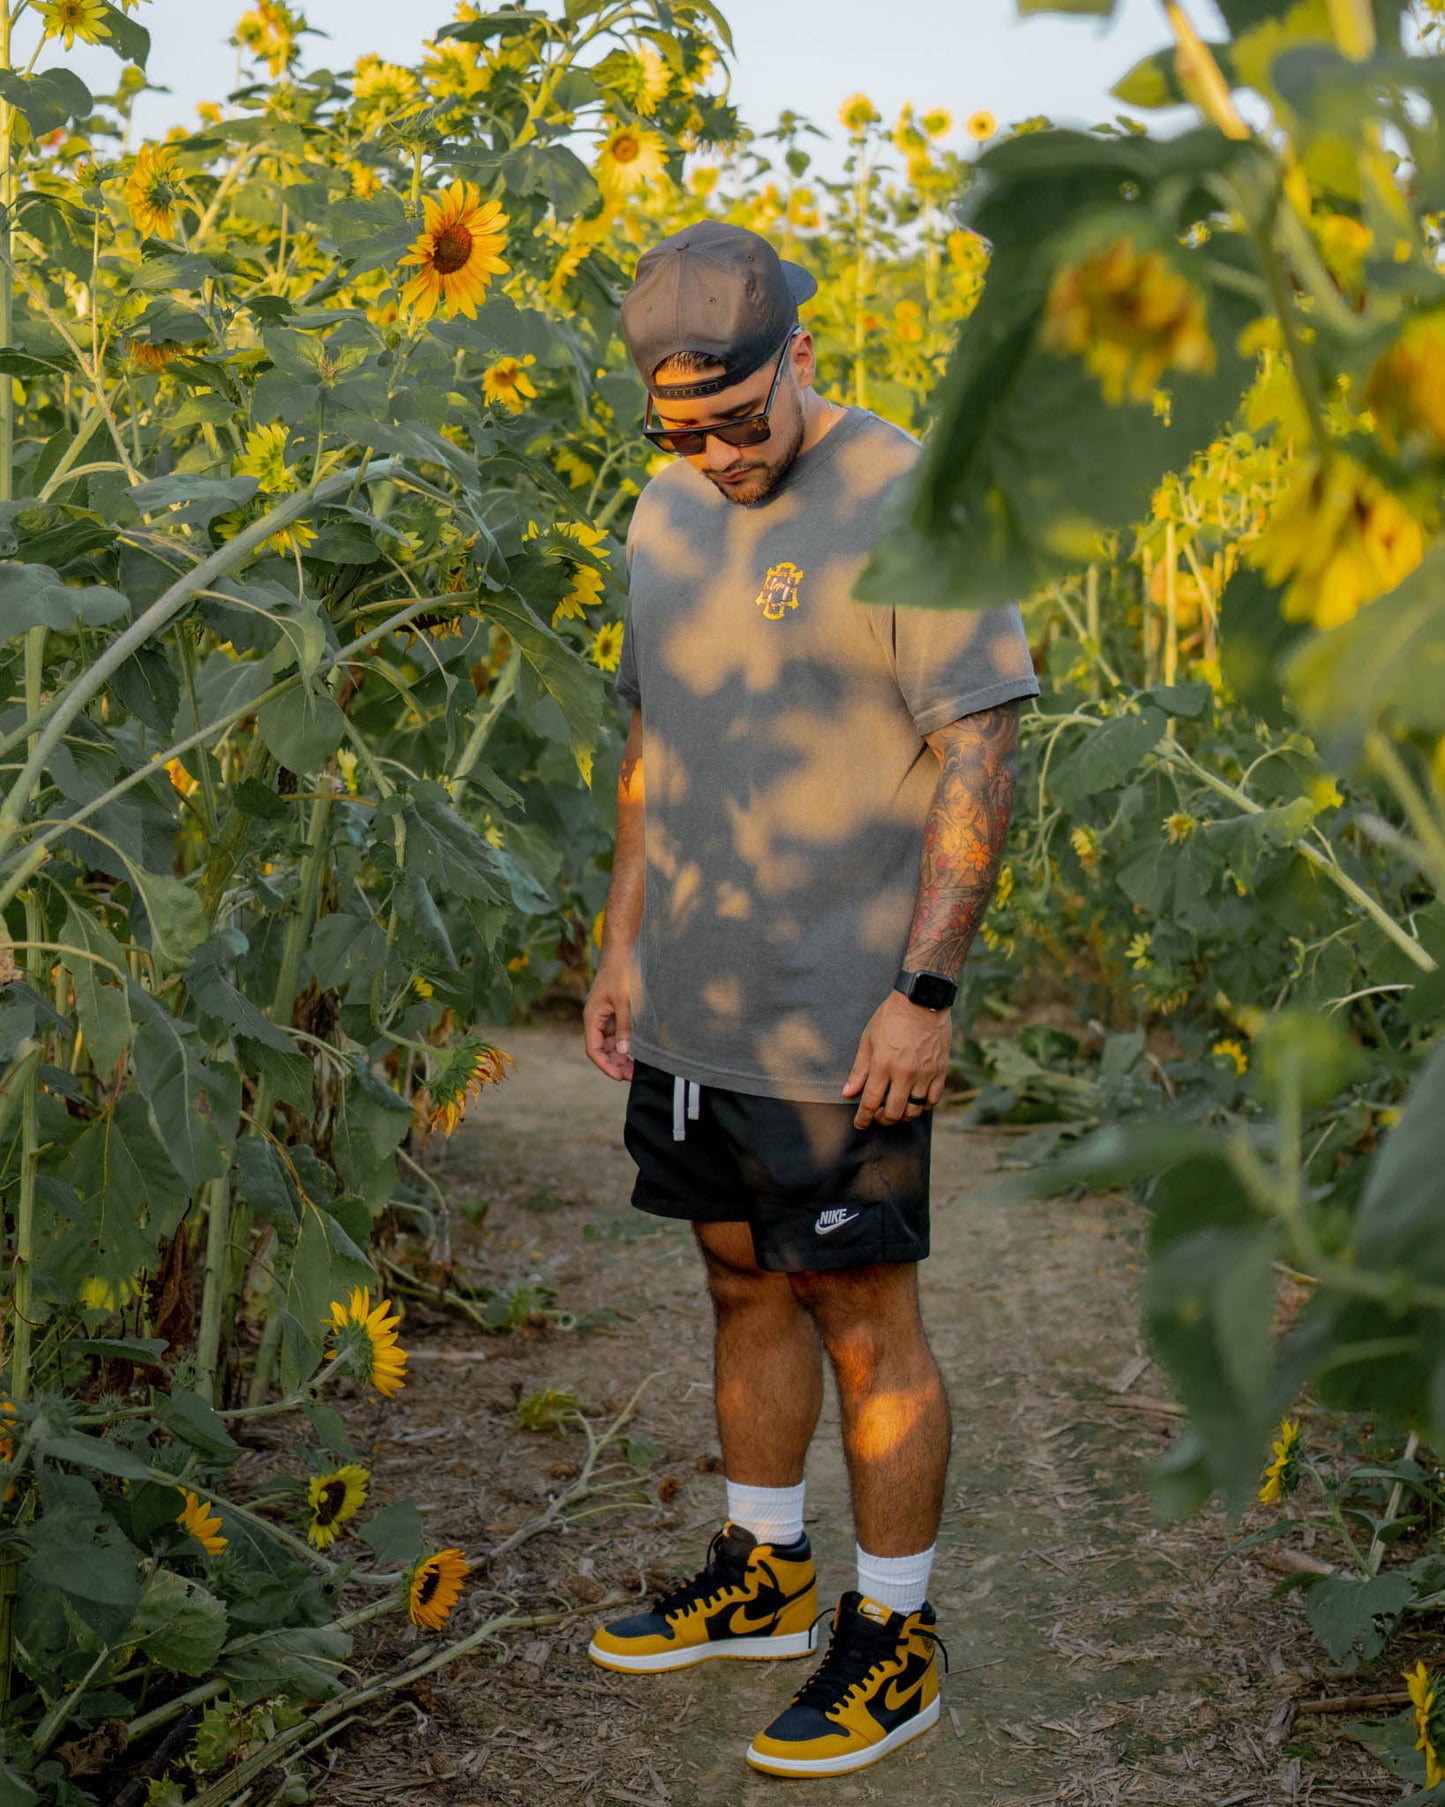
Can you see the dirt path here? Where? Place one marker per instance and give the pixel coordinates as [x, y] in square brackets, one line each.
[1093, 1658]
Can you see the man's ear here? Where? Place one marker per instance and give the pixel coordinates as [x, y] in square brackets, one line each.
[805, 361]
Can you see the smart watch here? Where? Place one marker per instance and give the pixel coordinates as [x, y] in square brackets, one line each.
[930, 991]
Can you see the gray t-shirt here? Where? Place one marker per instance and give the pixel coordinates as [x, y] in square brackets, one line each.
[786, 777]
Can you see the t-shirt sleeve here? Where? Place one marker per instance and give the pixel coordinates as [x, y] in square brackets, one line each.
[954, 662]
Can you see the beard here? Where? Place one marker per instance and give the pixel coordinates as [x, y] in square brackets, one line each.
[765, 476]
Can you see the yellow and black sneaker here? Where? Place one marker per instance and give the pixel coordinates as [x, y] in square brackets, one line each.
[751, 1599]
[875, 1689]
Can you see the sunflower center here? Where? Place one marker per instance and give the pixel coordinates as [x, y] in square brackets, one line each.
[430, 1581]
[333, 1498]
[626, 150]
[452, 249]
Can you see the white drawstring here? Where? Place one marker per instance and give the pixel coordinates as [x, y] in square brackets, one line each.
[686, 1104]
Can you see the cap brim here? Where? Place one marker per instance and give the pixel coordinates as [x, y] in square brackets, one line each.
[801, 286]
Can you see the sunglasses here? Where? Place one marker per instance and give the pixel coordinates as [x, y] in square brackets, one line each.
[753, 429]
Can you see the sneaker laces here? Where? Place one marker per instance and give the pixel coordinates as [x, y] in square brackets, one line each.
[855, 1650]
[720, 1570]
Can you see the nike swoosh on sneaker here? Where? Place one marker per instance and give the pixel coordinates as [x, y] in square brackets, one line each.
[893, 1701]
[741, 1622]
[827, 1229]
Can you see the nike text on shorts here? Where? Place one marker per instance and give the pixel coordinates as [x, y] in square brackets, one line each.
[816, 1192]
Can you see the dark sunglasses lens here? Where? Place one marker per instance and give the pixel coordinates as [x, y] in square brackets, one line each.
[744, 432]
[685, 445]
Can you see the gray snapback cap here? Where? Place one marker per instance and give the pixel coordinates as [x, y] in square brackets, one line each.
[715, 289]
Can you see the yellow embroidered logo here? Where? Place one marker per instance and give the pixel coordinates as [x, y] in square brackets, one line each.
[780, 591]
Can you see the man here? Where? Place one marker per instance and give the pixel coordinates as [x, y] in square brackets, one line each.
[794, 890]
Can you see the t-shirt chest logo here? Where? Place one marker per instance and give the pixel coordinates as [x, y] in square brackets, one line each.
[780, 591]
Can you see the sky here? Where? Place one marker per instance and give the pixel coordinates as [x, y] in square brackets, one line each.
[807, 55]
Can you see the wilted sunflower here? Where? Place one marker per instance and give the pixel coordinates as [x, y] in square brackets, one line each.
[457, 253]
[334, 1498]
[1429, 1720]
[507, 383]
[435, 1587]
[630, 158]
[606, 648]
[72, 19]
[152, 190]
[204, 1524]
[1281, 1477]
[264, 458]
[465, 1069]
[154, 354]
[981, 125]
[366, 1339]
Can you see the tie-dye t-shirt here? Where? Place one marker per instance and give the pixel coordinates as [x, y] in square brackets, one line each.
[786, 777]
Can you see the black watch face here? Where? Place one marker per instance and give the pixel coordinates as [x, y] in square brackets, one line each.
[931, 991]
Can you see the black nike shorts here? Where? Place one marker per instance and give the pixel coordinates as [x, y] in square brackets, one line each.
[816, 1192]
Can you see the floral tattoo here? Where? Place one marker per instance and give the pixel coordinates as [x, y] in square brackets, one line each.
[963, 840]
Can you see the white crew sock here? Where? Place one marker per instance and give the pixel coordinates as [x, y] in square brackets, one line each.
[898, 1582]
[772, 1514]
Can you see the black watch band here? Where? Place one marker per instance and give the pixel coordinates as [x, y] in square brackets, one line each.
[930, 991]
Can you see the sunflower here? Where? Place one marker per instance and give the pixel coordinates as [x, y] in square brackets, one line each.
[457, 253]
[938, 122]
[463, 1072]
[269, 31]
[383, 87]
[578, 472]
[334, 1498]
[152, 190]
[365, 181]
[606, 648]
[72, 19]
[1428, 1727]
[203, 1524]
[455, 71]
[981, 125]
[293, 539]
[508, 384]
[368, 1338]
[435, 1587]
[1232, 1050]
[1282, 1475]
[154, 354]
[586, 592]
[857, 113]
[264, 458]
[630, 158]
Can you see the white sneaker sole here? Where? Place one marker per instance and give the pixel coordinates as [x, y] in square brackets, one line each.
[836, 1766]
[794, 1643]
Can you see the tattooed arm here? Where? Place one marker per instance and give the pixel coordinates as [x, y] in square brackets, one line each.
[903, 1052]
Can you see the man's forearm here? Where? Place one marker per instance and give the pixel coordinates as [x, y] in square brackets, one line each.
[625, 896]
[963, 840]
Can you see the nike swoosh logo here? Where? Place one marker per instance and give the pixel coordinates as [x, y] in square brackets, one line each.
[893, 1701]
[740, 1619]
[827, 1229]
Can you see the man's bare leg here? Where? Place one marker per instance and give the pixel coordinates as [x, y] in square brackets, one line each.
[769, 1362]
[896, 1428]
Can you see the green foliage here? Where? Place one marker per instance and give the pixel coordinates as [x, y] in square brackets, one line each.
[301, 686]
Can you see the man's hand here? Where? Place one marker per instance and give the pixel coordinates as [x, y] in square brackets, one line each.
[903, 1054]
[607, 1021]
